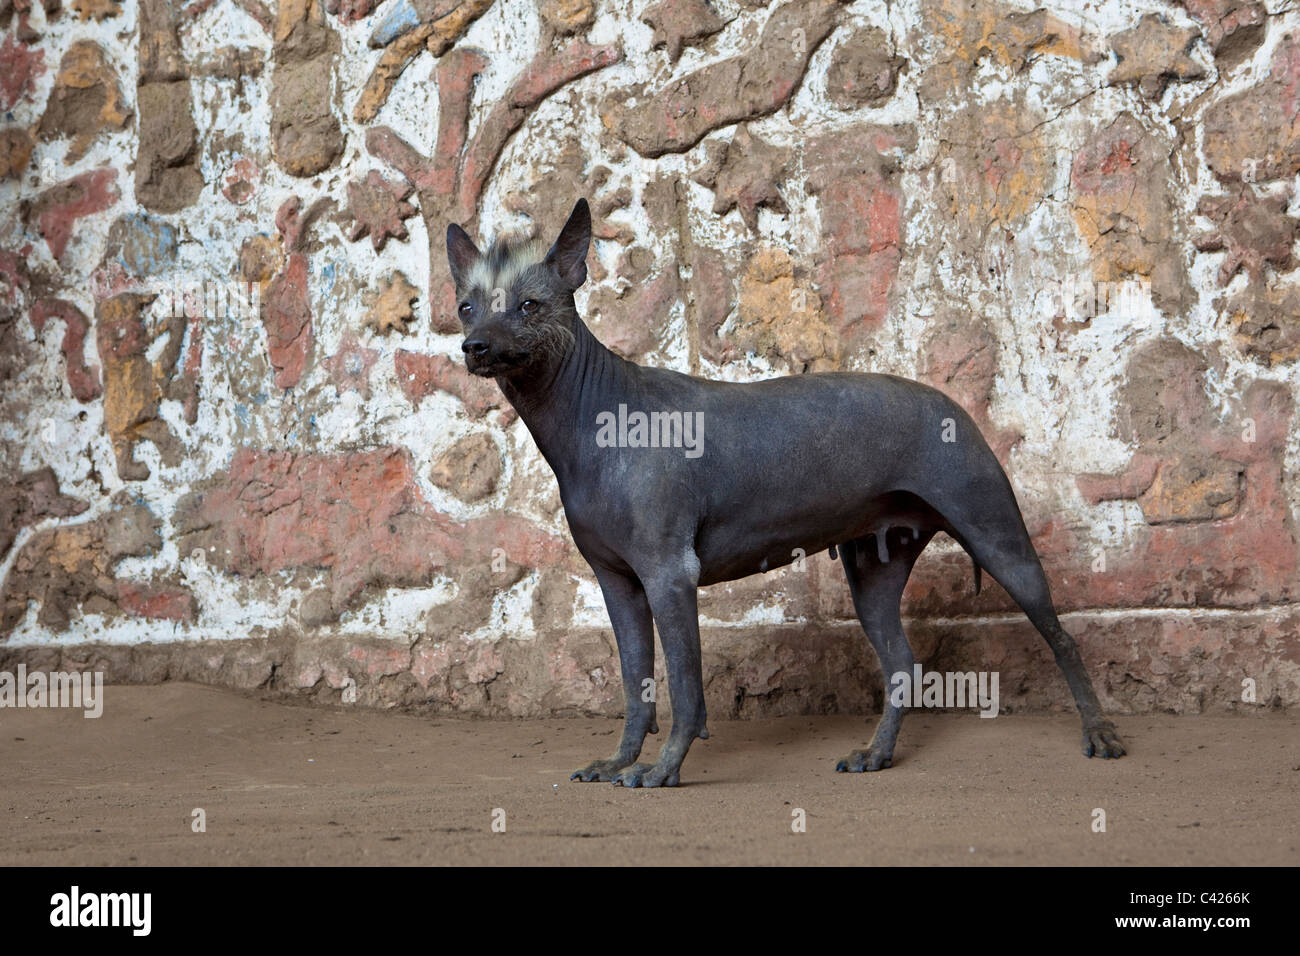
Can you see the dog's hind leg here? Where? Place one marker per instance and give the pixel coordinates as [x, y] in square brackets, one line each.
[986, 521]
[877, 572]
[1022, 576]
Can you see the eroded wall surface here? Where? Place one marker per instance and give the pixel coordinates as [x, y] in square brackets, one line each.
[238, 445]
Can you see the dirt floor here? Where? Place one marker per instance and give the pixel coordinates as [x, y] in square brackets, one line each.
[285, 783]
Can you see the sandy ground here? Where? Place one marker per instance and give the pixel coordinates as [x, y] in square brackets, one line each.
[287, 783]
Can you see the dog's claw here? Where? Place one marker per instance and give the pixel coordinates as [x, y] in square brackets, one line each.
[647, 775]
[1102, 740]
[598, 770]
[864, 761]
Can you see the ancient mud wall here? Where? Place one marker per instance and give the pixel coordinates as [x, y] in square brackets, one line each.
[237, 444]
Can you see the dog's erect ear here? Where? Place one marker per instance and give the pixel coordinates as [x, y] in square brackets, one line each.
[569, 254]
[461, 253]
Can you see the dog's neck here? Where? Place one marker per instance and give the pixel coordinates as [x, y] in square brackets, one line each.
[563, 394]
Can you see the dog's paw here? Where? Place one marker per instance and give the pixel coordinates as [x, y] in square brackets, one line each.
[863, 761]
[1102, 740]
[647, 775]
[598, 770]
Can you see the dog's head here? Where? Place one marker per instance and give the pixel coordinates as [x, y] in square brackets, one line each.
[515, 301]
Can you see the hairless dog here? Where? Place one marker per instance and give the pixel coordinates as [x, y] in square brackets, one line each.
[869, 467]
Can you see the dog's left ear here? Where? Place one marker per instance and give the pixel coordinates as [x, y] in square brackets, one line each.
[569, 254]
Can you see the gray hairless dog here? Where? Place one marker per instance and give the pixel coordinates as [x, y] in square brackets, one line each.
[790, 466]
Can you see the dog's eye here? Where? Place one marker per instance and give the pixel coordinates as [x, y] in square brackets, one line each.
[529, 306]
[465, 310]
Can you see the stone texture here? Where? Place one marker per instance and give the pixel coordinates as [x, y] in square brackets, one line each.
[337, 511]
[351, 365]
[780, 317]
[241, 181]
[350, 11]
[390, 309]
[167, 176]
[469, 469]
[377, 207]
[1252, 230]
[286, 306]
[86, 100]
[863, 70]
[20, 66]
[681, 23]
[1123, 205]
[15, 152]
[439, 29]
[34, 497]
[132, 383]
[360, 516]
[544, 199]
[1214, 494]
[305, 135]
[96, 9]
[630, 316]
[1266, 318]
[144, 245]
[71, 570]
[56, 210]
[1169, 663]
[1003, 35]
[994, 169]
[1234, 28]
[1192, 489]
[82, 379]
[567, 16]
[745, 173]
[713, 298]
[1254, 135]
[231, 62]
[746, 86]
[260, 258]
[1154, 54]
[861, 205]
[14, 351]
[450, 181]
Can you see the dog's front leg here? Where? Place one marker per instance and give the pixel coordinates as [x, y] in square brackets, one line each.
[629, 612]
[673, 602]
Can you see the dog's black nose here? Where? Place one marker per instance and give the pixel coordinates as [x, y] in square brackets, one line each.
[474, 347]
